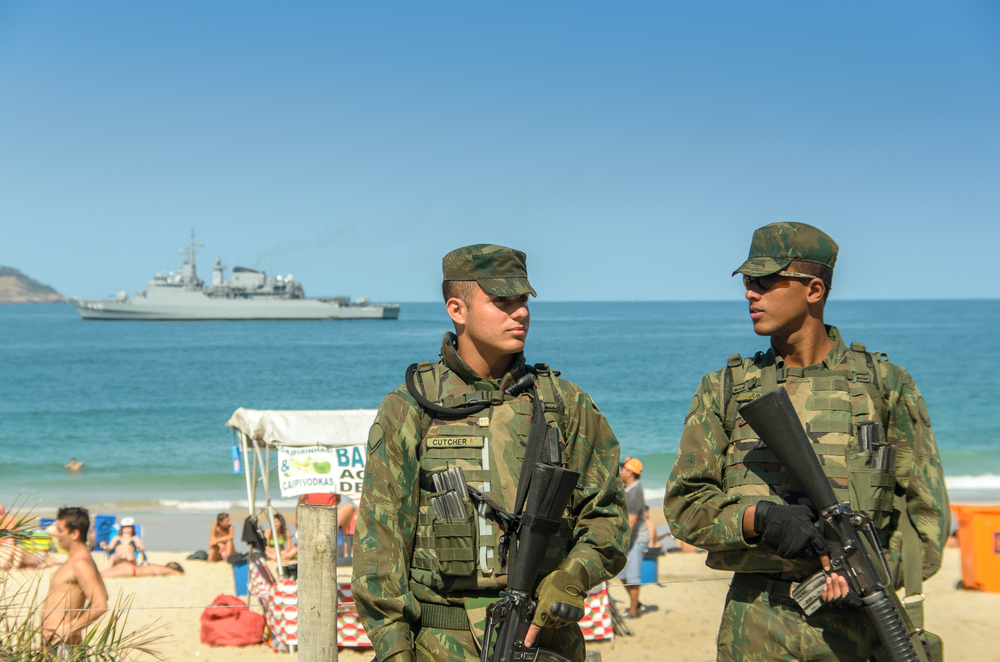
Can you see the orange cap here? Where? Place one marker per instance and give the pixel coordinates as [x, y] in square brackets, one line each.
[633, 465]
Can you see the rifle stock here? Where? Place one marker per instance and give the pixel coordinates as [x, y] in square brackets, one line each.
[848, 532]
[773, 418]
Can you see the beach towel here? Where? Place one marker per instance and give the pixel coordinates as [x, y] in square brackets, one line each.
[229, 622]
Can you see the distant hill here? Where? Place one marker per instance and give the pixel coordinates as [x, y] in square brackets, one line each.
[16, 287]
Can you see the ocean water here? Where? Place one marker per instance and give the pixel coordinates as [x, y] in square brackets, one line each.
[145, 404]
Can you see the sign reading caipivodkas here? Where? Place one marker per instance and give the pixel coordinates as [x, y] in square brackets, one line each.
[309, 469]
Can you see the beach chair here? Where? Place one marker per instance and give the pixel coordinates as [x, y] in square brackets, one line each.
[140, 555]
[41, 539]
[104, 530]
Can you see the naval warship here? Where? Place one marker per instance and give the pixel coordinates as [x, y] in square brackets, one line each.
[247, 295]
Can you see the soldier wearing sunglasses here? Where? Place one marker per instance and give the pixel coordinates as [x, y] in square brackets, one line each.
[871, 430]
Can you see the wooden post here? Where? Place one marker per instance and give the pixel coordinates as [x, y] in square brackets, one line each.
[317, 583]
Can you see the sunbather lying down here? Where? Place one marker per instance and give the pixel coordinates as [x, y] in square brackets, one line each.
[127, 569]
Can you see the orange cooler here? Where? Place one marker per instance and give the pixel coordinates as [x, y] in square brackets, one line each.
[979, 536]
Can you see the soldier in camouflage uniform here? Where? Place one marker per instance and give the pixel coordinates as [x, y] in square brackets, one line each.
[728, 494]
[422, 585]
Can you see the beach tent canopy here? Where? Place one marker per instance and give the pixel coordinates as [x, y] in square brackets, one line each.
[335, 427]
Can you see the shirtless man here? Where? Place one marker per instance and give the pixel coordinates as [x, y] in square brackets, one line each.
[220, 538]
[73, 464]
[74, 584]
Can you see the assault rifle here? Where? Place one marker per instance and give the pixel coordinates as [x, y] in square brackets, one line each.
[850, 534]
[509, 618]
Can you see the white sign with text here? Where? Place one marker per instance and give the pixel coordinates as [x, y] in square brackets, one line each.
[312, 469]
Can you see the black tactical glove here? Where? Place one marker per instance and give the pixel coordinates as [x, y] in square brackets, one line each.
[848, 604]
[789, 530]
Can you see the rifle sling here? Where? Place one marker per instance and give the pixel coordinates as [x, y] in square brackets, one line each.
[540, 524]
[532, 456]
[533, 451]
[913, 579]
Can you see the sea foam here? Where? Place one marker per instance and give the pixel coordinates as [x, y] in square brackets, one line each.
[983, 482]
[218, 506]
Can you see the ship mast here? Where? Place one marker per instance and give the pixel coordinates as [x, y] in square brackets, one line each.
[191, 253]
[189, 272]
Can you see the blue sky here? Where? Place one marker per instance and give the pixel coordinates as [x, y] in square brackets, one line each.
[630, 150]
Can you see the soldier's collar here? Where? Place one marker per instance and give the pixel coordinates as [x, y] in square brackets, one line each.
[454, 362]
[833, 357]
[839, 349]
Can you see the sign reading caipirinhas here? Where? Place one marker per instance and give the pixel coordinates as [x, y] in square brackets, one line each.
[310, 469]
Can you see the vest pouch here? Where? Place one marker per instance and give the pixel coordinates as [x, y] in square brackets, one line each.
[870, 489]
[455, 544]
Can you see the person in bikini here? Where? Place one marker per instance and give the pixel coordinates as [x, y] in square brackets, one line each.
[75, 584]
[148, 570]
[220, 538]
[125, 546]
[285, 543]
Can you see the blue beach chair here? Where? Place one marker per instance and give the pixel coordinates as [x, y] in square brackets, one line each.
[104, 530]
[140, 555]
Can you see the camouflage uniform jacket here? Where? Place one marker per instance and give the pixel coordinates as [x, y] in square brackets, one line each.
[391, 582]
[722, 470]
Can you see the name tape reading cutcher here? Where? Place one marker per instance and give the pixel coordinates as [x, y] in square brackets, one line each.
[455, 442]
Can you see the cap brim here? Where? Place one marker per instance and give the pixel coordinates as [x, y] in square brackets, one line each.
[762, 266]
[507, 287]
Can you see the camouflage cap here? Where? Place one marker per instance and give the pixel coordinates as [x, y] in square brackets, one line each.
[499, 270]
[776, 245]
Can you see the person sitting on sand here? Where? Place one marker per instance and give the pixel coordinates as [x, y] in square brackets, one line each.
[65, 614]
[125, 546]
[14, 554]
[73, 465]
[220, 538]
[148, 570]
[279, 532]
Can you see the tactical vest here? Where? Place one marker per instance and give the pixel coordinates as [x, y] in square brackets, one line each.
[489, 446]
[831, 405]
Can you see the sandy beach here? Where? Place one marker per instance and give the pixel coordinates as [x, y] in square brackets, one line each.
[690, 597]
